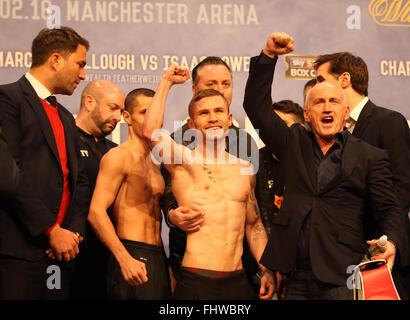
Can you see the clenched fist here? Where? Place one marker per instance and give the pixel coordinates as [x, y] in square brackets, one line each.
[134, 271]
[278, 43]
[176, 74]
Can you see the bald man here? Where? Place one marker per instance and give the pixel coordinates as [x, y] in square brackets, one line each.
[102, 104]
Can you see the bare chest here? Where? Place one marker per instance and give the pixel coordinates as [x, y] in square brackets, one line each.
[214, 182]
[145, 178]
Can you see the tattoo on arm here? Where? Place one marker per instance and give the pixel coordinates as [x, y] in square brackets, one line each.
[258, 230]
[253, 200]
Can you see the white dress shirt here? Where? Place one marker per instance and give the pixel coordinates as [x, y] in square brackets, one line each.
[355, 113]
[39, 88]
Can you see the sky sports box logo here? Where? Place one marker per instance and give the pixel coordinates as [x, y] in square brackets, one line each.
[300, 67]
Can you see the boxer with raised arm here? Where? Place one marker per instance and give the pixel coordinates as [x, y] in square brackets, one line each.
[217, 184]
[130, 183]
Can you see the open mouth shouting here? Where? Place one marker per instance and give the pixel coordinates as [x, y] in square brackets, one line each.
[327, 121]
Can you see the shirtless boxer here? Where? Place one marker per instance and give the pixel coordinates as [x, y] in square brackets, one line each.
[211, 181]
[132, 185]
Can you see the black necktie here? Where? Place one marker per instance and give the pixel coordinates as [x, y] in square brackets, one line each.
[52, 100]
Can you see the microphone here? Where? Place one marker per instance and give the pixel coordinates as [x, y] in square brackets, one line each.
[376, 248]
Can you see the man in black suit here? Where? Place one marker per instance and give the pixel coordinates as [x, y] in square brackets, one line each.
[331, 180]
[41, 228]
[381, 127]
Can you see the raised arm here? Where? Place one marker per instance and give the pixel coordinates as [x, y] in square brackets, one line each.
[257, 240]
[110, 177]
[278, 43]
[164, 149]
[258, 93]
[154, 116]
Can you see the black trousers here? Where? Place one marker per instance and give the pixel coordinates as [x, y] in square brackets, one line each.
[89, 280]
[303, 285]
[158, 285]
[193, 286]
[44, 279]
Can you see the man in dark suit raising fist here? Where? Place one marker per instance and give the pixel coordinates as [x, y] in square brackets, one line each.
[332, 180]
[48, 214]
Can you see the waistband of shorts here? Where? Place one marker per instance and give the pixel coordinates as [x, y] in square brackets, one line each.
[213, 274]
[141, 245]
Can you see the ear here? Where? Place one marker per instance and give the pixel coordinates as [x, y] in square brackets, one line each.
[344, 80]
[230, 119]
[306, 114]
[347, 115]
[127, 117]
[56, 61]
[89, 103]
[194, 89]
[191, 123]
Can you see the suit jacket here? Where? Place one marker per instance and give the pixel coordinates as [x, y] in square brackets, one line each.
[388, 129]
[269, 187]
[35, 207]
[337, 235]
[9, 172]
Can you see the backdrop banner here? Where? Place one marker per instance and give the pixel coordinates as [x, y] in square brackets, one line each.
[133, 42]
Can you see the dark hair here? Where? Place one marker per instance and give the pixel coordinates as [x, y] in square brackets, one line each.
[203, 94]
[346, 62]
[132, 95]
[288, 106]
[207, 61]
[310, 83]
[63, 40]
